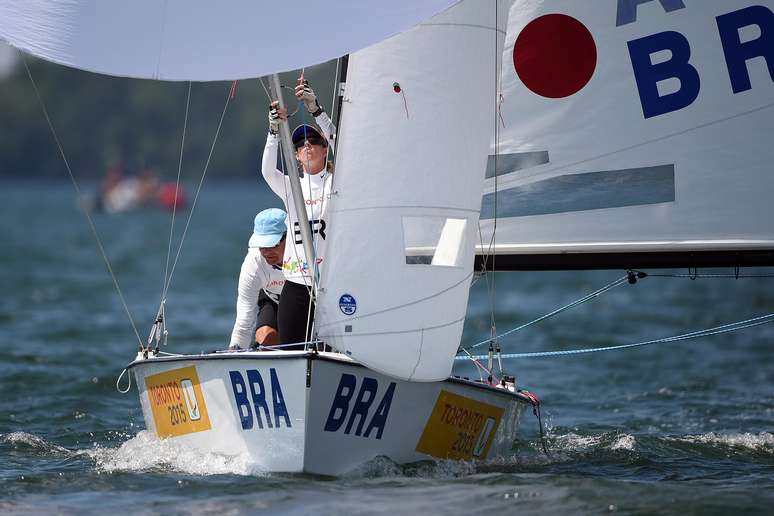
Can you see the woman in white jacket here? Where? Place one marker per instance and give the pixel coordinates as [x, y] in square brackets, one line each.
[260, 282]
[296, 312]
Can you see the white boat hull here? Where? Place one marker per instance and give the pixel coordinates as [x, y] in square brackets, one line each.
[319, 413]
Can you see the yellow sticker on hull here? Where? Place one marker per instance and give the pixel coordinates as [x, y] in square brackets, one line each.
[459, 428]
[177, 402]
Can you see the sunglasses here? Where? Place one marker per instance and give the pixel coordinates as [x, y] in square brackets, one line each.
[313, 139]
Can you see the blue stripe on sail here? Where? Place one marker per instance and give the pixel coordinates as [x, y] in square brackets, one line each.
[507, 163]
[580, 192]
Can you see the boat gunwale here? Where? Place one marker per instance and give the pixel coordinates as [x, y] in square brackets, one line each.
[313, 355]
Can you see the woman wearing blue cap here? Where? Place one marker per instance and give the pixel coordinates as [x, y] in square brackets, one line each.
[311, 145]
[260, 282]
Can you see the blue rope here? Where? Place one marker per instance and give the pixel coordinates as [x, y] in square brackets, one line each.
[711, 276]
[555, 312]
[726, 328]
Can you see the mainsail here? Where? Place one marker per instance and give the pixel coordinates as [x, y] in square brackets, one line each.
[201, 40]
[634, 133]
[417, 123]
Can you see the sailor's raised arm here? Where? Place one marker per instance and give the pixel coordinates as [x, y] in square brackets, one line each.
[250, 285]
[274, 177]
[306, 94]
[326, 124]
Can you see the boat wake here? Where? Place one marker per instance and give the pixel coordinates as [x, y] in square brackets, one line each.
[142, 452]
[145, 452]
[384, 467]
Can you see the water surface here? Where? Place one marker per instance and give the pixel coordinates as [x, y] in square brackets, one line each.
[680, 428]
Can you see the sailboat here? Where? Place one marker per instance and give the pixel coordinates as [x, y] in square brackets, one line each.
[607, 134]
[329, 412]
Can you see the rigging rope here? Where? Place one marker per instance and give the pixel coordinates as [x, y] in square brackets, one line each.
[118, 381]
[631, 278]
[196, 196]
[481, 367]
[726, 328]
[268, 95]
[177, 190]
[80, 197]
[498, 116]
[494, 345]
[575, 303]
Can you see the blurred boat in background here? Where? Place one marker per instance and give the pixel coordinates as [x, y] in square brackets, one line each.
[120, 191]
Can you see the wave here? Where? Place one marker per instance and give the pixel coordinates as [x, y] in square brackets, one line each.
[24, 440]
[384, 467]
[145, 452]
[624, 442]
[574, 443]
[562, 448]
[760, 442]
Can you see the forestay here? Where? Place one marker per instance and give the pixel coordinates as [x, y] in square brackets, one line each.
[634, 129]
[418, 118]
[202, 40]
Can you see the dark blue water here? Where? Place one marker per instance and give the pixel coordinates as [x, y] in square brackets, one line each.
[680, 428]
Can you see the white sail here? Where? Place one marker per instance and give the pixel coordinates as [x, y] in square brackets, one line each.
[634, 127]
[202, 40]
[418, 118]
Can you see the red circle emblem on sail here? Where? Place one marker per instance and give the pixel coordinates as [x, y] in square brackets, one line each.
[555, 56]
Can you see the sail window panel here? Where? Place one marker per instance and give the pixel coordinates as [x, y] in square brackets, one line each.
[508, 163]
[436, 241]
[582, 192]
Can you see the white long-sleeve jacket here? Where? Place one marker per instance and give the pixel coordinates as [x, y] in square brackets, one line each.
[256, 275]
[316, 190]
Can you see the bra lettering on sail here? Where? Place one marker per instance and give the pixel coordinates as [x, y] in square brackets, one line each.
[555, 56]
[649, 75]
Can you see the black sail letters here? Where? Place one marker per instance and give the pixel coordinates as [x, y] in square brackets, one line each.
[316, 225]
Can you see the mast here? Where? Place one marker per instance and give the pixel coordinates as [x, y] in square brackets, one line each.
[341, 85]
[295, 181]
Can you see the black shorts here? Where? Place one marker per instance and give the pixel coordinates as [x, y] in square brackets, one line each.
[267, 311]
[294, 315]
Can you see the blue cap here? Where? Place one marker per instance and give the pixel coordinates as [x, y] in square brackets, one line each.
[269, 227]
[301, 132]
